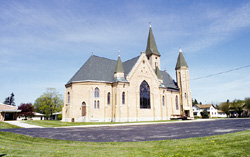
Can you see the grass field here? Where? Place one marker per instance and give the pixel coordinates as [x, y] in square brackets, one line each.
[233, 144]
[4, 125]
[57, 123]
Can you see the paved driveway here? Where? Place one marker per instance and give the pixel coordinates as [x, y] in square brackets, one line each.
[140, 132]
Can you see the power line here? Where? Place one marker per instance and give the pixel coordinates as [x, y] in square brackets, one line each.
[222, 72]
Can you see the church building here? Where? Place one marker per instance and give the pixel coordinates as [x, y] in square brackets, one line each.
[106, 90]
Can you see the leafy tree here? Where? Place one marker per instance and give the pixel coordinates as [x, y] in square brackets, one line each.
[224, 106]
[217, 107]
[50, 102]
[10, 100]
[204, 114]
[237, 106]
[27, 110]
[247, 102]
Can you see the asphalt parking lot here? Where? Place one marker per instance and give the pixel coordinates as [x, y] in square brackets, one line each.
[135, 132]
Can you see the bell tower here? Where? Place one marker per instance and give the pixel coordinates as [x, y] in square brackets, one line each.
[182, 78]
[152, 51]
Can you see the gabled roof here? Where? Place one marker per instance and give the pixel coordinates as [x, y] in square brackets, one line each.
[100, 69]
[151, 45]
[95, 69]
[181, 62]
[8, 108]
[204, 106]
[119, 66]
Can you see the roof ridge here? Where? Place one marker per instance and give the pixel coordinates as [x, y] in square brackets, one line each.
[103, 58]
[131, 59]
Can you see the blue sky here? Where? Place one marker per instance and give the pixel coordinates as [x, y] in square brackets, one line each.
[43, 43]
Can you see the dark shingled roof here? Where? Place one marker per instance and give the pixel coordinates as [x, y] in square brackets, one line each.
[168, 81]
[129, 64]
[95, 68]
[102, 69]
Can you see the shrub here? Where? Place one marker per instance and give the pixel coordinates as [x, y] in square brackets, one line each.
[204, 114]
[59, 117]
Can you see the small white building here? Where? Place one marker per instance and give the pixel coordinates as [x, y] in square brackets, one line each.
[37, 116]
[211, 109]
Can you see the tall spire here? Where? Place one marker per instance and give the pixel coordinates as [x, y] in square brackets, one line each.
[119, 66]
[181, 62]
[151, 45]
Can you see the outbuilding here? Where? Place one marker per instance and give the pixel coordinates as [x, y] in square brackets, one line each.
[8, 112]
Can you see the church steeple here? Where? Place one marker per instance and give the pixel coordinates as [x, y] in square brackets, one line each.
[181, 62]
[151, 51]
[151, 45]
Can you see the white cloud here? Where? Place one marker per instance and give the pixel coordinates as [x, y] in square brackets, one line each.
[222, 29]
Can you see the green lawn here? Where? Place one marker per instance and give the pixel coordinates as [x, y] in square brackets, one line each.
[4, 125]
[233, 144]
[57, 123]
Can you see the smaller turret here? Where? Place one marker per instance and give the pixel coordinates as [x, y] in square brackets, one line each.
[119, 71]
[181, 62]
[182, 78]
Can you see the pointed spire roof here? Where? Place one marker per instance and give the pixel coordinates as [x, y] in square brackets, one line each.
[119, 66]
[181, 62]
[158, 73]
[151, 45]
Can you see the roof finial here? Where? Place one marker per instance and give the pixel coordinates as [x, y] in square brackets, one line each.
[119, 53]
[150, 24]
[180, 49]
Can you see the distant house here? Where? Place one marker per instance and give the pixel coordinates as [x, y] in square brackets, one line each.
[212, 111]
[8, 112]
[37, 116]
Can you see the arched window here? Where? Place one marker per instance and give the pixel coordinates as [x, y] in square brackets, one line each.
[176, 101]
[144, 95]
[96, 92]
[185, 95]
[68, 97]
[83, 109]
[98, 104]
[163, 101]
[95, 104]
[108, 98]
[123, 97]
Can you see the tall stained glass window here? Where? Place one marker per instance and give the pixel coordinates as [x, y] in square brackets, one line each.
[144, 95]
